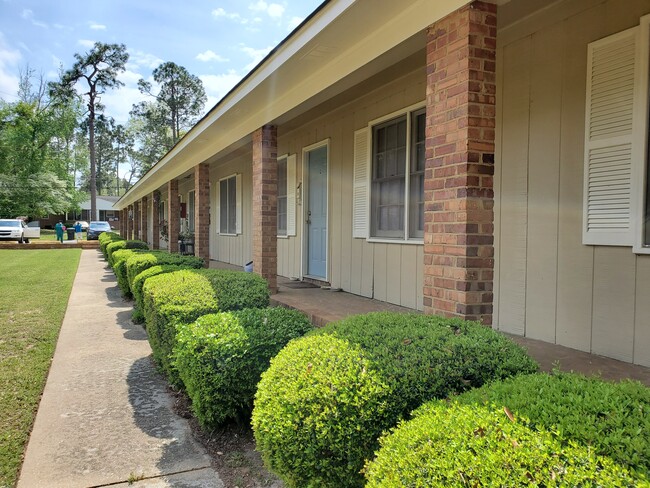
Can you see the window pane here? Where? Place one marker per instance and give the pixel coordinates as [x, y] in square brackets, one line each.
[232, 205]
[282, 178]
[223, 206]
[388, 185]
[416, 183]
[190, 211]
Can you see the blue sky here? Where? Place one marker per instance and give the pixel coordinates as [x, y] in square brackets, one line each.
[217, 40]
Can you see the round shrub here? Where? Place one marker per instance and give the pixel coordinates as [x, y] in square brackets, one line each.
[171, 299]
[138, 283]
[612, 418]
[428, 356]
[122, 244]
[220, 358]
[317, 410]
[419, 358]
[469, 445]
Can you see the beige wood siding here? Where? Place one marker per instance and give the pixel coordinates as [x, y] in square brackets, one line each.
[385, 271]
[236, 249]
[548, 285]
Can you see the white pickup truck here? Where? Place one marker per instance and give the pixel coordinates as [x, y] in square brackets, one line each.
[17, 230]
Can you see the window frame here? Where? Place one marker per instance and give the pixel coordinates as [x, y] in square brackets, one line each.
[236, 178]
[191, 206]
[405, 236]
[283, 233]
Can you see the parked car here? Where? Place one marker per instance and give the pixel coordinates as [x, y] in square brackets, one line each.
[84, 225]
[17, 230]
[97, 227]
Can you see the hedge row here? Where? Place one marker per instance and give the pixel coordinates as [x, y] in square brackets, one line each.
[469, 445]
[325, 400]
[220, 358]
[122, 244]
[105, 238]
[612, 418]
[181, 297]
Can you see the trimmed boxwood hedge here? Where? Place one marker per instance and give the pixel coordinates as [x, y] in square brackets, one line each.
[105, 238]
[418, 358]
[120, 258]
[122, 244]
[136, 264]
[469, 445]
[220, 358]
[612, 418]
[138, 283]
[171, 299]
[314, 407]
[182, 296]
[235, 290]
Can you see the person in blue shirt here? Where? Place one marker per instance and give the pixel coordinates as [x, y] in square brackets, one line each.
[59, 231]
[77, 230]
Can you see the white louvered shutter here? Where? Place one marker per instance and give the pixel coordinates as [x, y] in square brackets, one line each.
[610, 152]
[361, 186]
[291, 195]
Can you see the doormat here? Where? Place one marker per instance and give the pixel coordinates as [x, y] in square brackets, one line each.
[298, 284]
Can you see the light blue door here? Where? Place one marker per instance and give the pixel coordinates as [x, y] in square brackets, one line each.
[317, 213]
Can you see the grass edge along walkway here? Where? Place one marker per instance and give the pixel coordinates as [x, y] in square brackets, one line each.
[34, 291]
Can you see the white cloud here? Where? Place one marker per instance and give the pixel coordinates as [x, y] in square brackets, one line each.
[139, 59]
[273, 10]
[216, 86]
[256, 55]
[294, 22]
[211, 56]
[86, 43]
[29, 15]
[96, 26]
[219, 12]
[9, 59]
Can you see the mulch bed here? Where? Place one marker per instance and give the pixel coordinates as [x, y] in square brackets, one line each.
[232, 449]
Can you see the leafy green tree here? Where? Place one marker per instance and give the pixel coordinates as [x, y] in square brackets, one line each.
[97, 70]
[180, 94]
[37, 136]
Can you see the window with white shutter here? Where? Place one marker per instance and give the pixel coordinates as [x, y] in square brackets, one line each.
[287, 195]
[613, 154]
[230, 212]
[360, 196]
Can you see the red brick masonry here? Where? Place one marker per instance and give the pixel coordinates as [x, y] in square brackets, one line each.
[459, 196]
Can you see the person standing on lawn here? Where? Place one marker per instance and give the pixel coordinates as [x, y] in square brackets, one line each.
[59, 231]
[77, 230]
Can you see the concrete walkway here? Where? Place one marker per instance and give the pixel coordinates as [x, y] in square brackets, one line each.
[106, 417]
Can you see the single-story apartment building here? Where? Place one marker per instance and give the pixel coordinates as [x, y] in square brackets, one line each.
[483, 159]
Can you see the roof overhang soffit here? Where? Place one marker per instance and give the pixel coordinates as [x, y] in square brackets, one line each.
[345, 37]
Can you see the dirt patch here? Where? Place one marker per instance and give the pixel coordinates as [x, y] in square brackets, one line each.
[232, 449]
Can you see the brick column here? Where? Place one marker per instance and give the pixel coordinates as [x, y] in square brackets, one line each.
[265, 201]
[202, 212]
[173, 215]
[155, 220]
[144, 213]
[136, 220]
[459, 196]
[129, 223]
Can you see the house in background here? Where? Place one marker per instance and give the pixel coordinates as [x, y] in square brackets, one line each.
[486, 160]
[104, 208]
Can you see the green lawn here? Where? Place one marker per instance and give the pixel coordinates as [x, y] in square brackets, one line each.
[34, 290]
[50, 235]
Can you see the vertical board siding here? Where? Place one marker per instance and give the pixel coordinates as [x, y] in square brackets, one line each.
[613, 303]
[514, 186]
[543, 177]
[591, 298]
[642, 312]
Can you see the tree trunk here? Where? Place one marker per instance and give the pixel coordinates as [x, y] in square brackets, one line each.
[91, 146]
